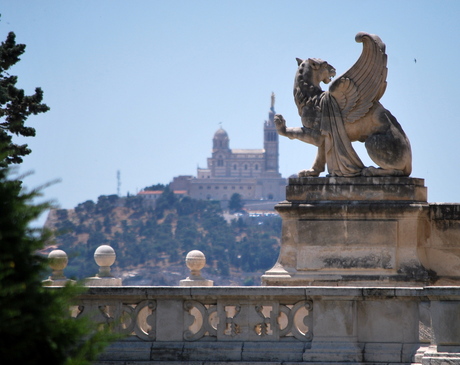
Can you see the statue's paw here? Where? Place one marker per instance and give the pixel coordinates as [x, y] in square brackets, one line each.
[279, 121]
[280, 124]
[309, 173]
[369, 171]
[279, 118]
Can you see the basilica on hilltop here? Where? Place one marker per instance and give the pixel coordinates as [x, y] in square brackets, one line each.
[252, 173]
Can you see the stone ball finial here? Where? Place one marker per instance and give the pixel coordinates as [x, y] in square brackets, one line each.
[105, 257]
[195, 261]
[57, 260]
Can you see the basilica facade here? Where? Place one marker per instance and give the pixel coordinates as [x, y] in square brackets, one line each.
[252, 173]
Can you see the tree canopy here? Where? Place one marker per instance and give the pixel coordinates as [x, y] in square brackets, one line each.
[15, 106]
[35, 322]
[35, 325]
[236, 203]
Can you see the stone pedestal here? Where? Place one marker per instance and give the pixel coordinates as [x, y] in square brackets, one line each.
[352, 231]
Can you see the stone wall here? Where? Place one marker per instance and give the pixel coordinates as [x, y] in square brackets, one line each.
[276, 325]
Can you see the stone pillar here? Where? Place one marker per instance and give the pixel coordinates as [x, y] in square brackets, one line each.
[335, 331]
[195, 261]
[389, 328]
[105, 257]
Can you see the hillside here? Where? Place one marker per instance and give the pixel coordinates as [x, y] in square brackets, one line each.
[151, 243]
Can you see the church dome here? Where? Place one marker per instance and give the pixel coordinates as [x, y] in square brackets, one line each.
[220, 134]
[220, 140]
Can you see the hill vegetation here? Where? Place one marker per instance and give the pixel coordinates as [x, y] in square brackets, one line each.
[151, 243]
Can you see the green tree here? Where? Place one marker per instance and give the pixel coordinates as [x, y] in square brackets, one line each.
[106, 203]
[156, 187]
[166, 201]
[15, 106]
[35, 325]
[236, 203]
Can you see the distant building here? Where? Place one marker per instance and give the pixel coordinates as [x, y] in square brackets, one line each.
[252, 173]
[150, 197]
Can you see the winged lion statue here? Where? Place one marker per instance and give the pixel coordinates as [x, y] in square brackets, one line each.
[350, 111]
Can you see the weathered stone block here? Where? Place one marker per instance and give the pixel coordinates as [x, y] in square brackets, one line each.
[127, 350]
[166, 351]
[335, 319]
[388, 321]
[334, 351]
[169, 321]
[445, 318]
[383, 352]
[212, 351]
[308, 189]
[279, 351]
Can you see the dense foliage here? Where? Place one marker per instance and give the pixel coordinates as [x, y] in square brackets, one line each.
[15, 106]
[236, 203]
[35, 322]
[143, 235]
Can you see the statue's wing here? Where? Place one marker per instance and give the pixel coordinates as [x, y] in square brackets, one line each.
[365, 82]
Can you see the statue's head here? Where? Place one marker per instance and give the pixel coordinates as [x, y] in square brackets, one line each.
[314, 71]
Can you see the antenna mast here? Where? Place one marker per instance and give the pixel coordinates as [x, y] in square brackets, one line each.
[118, 182]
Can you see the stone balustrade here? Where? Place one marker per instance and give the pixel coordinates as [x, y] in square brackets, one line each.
[276, 325]
[196, 323]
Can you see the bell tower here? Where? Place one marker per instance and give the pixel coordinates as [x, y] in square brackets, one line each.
[218, 163]
[271, 145]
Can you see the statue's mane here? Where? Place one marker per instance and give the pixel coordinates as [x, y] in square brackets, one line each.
[305, 93]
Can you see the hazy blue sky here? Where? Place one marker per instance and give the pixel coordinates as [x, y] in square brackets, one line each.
[141, 86]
